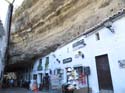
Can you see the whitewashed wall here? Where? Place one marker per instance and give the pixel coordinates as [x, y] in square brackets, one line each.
[110, 43]
[3, 45]
[0, 57]
[2, 50]
[35, 71]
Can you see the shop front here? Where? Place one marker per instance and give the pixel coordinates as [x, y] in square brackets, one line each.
[77, 80]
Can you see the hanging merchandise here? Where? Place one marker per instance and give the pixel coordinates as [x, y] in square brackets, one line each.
[68, 73]
[69, 69]
[81, 78]
[76, 79]
[75, 74]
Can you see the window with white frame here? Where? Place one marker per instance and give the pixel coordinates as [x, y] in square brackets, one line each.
[97, 36]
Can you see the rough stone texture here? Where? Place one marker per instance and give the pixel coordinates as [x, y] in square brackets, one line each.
[49, 24]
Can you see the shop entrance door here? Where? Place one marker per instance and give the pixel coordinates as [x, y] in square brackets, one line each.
[103, 71]
[41, 77]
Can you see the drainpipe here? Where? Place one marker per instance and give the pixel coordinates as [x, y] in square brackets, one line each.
[7, 31]
[8, 28]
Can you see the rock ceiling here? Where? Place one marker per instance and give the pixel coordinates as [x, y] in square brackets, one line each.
[49, 24]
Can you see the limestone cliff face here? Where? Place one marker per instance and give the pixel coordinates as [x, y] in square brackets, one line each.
[48, 24]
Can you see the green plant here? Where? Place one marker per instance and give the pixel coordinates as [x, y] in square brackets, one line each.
[47, 62]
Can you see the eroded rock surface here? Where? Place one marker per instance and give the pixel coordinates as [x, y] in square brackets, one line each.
[48, 24]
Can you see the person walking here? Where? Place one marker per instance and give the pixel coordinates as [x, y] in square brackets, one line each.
[47, 81]
[34, 86]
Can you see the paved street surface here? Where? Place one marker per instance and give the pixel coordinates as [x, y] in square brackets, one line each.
[17, 90]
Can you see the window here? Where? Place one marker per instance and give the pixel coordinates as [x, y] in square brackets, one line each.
[0, 53]
[97, 36]
[40, 65]
[41, 77]
[35, 76]
[40, 61]
[47, 63]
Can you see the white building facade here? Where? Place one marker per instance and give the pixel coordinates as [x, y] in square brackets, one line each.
[101, 49]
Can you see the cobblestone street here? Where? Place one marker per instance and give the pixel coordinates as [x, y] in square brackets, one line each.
[17, 90]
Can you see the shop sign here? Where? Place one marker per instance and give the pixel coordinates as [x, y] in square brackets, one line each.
[55, 82]
[67, 60]
[122, 63]
[79, 44]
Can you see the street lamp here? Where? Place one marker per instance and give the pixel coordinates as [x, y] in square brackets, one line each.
[10, 1]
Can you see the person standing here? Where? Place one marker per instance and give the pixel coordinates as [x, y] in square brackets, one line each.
[46, 81]
[35, 86]
[11, 82]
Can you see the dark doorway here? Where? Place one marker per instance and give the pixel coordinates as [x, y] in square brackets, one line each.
[41, 77]
[35, 77]
[103, 71]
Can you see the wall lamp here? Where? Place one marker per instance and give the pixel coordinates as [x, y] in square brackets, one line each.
[108, 25]
[81, 54]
